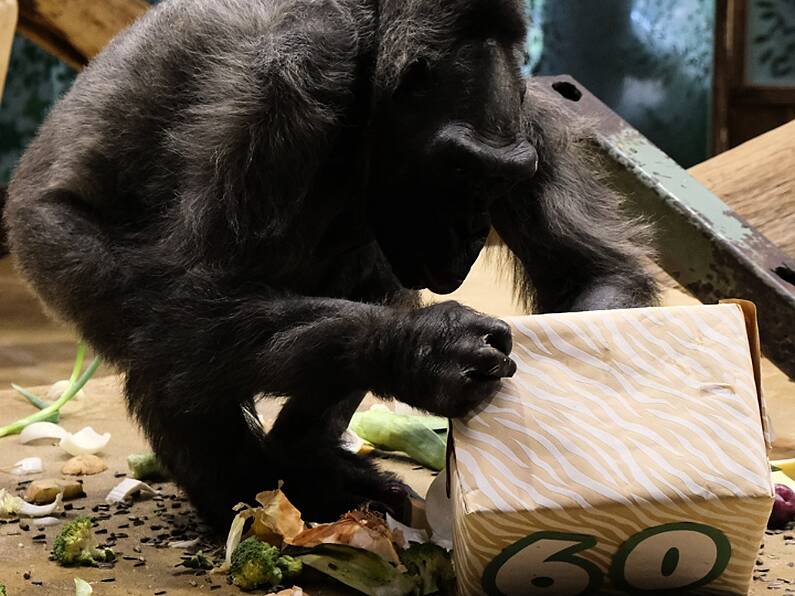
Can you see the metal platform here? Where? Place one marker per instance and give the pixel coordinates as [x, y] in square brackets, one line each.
[702, 243]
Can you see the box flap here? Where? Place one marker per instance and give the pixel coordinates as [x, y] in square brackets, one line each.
[748, 309]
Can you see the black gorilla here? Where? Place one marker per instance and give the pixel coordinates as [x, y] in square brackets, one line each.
[239, 197]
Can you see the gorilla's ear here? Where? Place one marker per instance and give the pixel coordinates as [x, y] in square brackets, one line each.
[415, 80]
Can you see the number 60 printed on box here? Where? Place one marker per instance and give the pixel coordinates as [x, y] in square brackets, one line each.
[671, 557]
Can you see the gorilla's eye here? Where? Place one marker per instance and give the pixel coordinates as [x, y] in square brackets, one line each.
[415, 81]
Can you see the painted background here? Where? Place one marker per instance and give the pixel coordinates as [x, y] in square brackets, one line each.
[650, 60]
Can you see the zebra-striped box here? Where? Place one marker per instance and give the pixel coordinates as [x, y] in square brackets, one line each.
[627, 454]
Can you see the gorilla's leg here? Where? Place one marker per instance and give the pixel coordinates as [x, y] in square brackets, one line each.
[214, 447]
[312, 440]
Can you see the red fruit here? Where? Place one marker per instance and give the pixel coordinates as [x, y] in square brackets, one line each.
[783, 508]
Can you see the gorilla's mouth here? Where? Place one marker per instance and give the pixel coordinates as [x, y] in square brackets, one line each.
[442, 283]
[447, 279]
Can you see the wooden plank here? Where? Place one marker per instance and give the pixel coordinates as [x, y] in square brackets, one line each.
[757, 180]
[8, 24]
[76, 30]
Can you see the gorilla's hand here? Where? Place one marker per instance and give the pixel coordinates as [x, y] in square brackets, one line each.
[444, 358]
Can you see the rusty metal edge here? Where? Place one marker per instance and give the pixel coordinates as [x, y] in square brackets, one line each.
[701, 242]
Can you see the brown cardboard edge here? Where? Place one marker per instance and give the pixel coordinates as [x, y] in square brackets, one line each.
[749, 312]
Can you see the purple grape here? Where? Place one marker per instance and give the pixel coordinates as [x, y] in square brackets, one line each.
[783, 508]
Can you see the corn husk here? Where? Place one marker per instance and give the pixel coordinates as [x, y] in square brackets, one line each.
[360, 529]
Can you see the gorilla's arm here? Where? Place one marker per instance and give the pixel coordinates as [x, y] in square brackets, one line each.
[208, 348]
[573, 247]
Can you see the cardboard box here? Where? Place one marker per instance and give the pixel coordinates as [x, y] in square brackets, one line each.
[628, 454]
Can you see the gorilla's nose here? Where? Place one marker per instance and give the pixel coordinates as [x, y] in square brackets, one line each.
[462, 152]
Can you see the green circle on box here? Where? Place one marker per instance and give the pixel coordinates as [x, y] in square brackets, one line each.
[544, 563]
[672, 557]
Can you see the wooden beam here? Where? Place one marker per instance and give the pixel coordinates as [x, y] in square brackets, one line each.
[757, 180]
[76, 30]
[8, 24]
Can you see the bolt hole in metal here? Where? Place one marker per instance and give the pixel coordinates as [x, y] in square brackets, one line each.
[786, 273]
[567, 90]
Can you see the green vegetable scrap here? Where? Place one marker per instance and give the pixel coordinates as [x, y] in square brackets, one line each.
[197, 561]
[2, 590]
[50, 412]
[432, 565]
[146, 466]
[361, 570]
[257, 564]
[75, 545]
[396, 432]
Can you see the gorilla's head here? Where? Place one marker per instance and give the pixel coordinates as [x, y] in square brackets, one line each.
[448, 130]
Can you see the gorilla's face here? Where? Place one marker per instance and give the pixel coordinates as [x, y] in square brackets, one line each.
[450, 142]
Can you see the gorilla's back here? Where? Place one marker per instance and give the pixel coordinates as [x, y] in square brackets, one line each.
[123, 119]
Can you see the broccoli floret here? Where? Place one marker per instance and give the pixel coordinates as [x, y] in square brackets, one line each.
[75, 545]
[432, 565]
[197, 561]
[291, 568]
[256, 564]
[2, 590]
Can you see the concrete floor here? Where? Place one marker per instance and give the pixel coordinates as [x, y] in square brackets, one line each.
[34, 349]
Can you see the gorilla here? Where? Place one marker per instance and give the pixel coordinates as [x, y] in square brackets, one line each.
[241, 198]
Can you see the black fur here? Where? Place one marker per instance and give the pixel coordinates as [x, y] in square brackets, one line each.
[236, 194]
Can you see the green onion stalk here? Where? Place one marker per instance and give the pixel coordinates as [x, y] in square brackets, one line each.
[50, 412]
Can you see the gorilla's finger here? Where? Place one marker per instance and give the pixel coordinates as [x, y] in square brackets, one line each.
[489, 362]
[498, 335]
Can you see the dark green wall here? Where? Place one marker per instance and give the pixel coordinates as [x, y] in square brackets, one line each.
[649, 60]
[35, 80]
